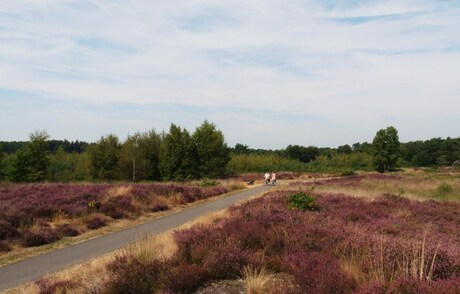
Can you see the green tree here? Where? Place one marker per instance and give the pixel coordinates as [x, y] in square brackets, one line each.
[301, 153]
[241, 149]
[139, 156]
[150, 146]
[178, 155]
[60, 168]
[344, 149]
[104, 158]
[212, 151]
[386, 149]
[31, 161]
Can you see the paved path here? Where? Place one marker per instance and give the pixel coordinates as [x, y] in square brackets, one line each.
[36, 267]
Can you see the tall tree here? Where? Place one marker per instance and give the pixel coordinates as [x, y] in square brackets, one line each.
[212, 151]
[301, 153]
[139, 156]
[31, 161]
[241, 148]
[178, 155]
[344, 149]
[104, 157]
[386, 149]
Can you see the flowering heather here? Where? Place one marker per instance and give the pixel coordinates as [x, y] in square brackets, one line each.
[26, 205]
[351, 245]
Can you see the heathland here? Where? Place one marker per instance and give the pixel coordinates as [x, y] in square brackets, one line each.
[380, 217]
[364, 233]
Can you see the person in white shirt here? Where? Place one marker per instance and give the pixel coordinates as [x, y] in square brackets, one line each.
[266, 178]
[273, 180]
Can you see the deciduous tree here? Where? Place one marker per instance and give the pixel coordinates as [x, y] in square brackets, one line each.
[31, 161]
[104, 157]
[139, 157]
[386, 149]
[178, 155]
[212, 151]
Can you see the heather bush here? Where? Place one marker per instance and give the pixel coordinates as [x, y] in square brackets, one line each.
[226, 261]
[4, 246]
[159, 207]
[407, 286]
[374, 287]
[129, 275]
[184, 278]
[448, 286]
[41, 236]
[68, 230]
[7, 231]
[95, 222]
[317, 273]
[45, 286]
[195, 243]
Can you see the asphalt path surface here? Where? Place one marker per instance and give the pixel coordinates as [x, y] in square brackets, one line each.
[36, 267]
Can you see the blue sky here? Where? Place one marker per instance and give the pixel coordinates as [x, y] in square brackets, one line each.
[267, 73]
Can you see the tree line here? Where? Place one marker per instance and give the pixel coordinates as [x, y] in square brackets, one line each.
[180, 155]
[144, 156]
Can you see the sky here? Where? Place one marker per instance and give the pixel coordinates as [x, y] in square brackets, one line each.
[267, 73]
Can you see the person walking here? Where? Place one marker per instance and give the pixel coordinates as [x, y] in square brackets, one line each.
[266, 178]
[273, 179]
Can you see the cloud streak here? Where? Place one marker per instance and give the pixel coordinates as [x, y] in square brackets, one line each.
[315, 72]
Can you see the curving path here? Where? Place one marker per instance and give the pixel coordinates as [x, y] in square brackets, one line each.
[38, 266]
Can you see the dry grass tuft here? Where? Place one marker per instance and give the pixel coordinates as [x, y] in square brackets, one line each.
[207, 219]
[234, 185]
[59, 218]
[119, 191]
[256, 280]
[149, 248]
[419, 264]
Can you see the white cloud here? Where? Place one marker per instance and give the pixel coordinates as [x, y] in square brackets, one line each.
[361, 66]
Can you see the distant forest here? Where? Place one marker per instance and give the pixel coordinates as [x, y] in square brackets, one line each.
[181, 155]
[51, 147]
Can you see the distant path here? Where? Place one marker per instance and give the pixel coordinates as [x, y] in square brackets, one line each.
[33, 268]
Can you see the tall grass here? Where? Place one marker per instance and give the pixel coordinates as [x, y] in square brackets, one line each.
[256, 281]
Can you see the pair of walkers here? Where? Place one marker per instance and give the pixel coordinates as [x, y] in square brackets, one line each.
[270, 178]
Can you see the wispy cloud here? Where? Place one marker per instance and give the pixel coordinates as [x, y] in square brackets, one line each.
[313, 72]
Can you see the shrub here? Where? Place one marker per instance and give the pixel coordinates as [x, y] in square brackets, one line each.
[4, 247]
[46, 286]
[128, 275]
[194, 244]
[375, 287]
[407, 286]
[347, 173]
[184, 278]
[303, 201]
[41, 237]
[318, 273]
[7, 230]
[159, 207]
[68, 230]
[226, 261]
[443, 191]
[95, 222]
